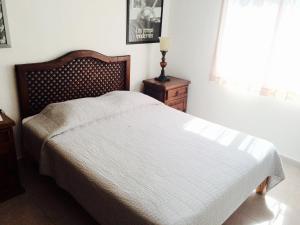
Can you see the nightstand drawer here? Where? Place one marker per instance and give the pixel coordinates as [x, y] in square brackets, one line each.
[177, 93]
[10, 178]
[4, 148]
[173, 93]
[4, 135]
[150, 91]
[179, 104]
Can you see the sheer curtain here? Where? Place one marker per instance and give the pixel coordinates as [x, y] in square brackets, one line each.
[258, 47]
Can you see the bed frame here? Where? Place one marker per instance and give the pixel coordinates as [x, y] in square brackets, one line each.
[262, 188]
[78, 74]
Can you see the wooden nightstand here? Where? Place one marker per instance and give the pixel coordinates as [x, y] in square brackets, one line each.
[9, 176]
[173, 93]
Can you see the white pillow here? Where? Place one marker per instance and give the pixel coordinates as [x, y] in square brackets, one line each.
[59, 117]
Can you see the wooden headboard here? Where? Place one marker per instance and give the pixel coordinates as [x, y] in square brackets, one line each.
[78, 74]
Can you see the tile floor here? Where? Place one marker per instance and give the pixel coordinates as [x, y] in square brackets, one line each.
[45, 204]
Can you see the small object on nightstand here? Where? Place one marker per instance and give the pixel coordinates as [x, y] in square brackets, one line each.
[9, 177]
[173, 93]
[164, 48]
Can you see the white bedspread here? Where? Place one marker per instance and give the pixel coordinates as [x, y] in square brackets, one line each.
[128, 159]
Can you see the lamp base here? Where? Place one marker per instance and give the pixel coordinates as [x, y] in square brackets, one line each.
[162, 79]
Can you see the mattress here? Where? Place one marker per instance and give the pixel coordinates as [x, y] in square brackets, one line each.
[129, 159]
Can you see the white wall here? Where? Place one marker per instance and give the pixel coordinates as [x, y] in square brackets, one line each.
[44, 30]
[193, 26]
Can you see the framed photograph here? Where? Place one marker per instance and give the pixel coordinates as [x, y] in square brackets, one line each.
[4, 33]
[144, 21]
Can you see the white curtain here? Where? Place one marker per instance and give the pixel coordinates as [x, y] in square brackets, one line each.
[258, 47]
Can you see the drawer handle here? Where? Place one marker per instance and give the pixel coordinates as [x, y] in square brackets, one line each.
[176, 93]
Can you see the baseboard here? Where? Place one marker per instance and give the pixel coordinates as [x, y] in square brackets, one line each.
[291, 161]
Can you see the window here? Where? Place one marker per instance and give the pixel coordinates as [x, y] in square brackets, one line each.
[258, 47]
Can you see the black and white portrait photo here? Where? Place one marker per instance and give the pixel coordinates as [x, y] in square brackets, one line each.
[4, 35]
[144, 21]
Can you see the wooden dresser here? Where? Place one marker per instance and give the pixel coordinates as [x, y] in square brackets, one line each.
[173, 93]
[9, 176]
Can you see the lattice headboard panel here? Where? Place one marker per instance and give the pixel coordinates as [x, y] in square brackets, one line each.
[78, 74]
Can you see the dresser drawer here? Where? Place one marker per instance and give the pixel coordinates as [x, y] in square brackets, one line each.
[177, 93]
[179, 104]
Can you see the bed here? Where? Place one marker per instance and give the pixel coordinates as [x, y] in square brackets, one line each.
[129, 159]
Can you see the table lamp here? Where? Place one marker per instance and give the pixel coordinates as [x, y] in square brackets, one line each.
[164, 47]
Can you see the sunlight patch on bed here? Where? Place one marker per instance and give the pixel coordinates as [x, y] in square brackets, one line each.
[213, 132]
[258, 148]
